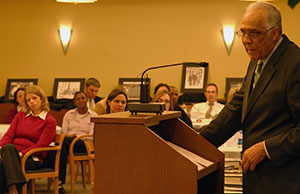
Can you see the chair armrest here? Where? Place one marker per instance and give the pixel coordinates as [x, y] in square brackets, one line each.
[71, 153]
[23, 162]
[70, 135]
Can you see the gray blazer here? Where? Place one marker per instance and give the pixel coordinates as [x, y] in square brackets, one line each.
[270, 113]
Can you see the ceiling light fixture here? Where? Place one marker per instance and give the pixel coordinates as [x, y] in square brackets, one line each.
[76, 1]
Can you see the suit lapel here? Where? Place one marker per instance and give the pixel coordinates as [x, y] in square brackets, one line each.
[248, 87]
[261, 84]
[251, 97]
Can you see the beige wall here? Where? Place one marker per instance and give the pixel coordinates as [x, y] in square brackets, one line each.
[121, 38]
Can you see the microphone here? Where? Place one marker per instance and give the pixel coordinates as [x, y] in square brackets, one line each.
[145, 88]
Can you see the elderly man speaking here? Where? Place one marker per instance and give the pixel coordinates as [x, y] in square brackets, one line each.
[267, 107]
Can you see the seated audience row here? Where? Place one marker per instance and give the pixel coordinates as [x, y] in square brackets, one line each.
[77, 122]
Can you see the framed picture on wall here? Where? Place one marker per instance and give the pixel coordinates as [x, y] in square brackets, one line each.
[13, 84]
[133, 87]
[233, 84]
[65, 88]
[194, 77]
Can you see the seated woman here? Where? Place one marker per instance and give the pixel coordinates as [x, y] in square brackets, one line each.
[165, 97]
[184, 117]
[20, 105]
[101, 106]
[116, 100]
[33, 128]
[76, 122]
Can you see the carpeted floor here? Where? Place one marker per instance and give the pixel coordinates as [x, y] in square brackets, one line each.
[41, 186]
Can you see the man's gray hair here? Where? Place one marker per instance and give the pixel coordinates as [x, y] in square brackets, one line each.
[92, 81]
[273, 14]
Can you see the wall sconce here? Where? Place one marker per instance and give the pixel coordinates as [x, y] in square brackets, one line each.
[65, 33]
[228, 37]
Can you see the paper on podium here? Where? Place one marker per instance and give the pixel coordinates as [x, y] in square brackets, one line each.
[200, 162]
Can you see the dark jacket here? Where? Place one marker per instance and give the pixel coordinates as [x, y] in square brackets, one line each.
[270, 113]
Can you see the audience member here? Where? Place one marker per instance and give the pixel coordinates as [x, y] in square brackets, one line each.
[33, 128]
[184, 117]
[91, 88]
[205, 112]
[116, 101]
[76, 122]
[174, 94]
[161, 86]
[267, 107]
[165, 97]
[19, 101]
[100, 107]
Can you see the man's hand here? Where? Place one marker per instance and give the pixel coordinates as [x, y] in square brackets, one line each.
[252, 156]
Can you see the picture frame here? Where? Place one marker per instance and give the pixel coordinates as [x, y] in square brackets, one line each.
[13, 84]
[194, 77]
[133, 87]
[65, 88]
[232, 83]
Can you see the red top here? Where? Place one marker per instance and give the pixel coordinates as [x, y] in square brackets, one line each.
[28, 132]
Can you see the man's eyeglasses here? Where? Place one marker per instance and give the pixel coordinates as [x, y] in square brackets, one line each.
[253, 35]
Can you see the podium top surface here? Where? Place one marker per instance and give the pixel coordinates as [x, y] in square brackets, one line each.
[147, 119]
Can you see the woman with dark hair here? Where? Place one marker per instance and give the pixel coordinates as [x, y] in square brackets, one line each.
[19, 101]
[33, 128]
[116, 100]
[76, 122]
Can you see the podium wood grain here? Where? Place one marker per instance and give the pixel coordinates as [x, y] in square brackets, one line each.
[132, 159]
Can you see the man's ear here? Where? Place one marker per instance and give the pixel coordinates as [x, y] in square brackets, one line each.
[275, 33]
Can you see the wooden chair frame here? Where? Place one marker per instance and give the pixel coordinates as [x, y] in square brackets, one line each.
[73, 158]
[59, 138]
[90, 147]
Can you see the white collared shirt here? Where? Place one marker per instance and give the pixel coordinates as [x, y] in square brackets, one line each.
[42, 114]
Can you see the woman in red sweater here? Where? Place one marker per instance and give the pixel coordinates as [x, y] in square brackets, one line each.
[33, 128]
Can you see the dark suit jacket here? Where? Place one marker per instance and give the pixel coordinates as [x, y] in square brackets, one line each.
[270, 113]
[97, 99]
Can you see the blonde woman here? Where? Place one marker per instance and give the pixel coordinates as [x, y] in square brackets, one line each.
[33, 128]
[165, 97]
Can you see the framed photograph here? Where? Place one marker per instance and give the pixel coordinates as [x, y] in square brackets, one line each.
[14, 84]
[233, 83]
[194, 77]
[65, 88]
[133, 87]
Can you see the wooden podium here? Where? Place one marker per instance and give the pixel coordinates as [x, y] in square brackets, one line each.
[155, 154]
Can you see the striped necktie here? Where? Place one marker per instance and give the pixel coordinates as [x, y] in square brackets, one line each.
[258, 70]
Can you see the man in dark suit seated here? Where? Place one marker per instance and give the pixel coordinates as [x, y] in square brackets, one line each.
[91, 89]
[267, 107]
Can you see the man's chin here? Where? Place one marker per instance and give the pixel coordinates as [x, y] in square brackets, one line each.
[253, 56]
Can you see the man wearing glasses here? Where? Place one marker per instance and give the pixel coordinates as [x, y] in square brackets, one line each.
[267, 107]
